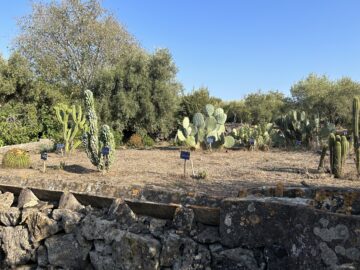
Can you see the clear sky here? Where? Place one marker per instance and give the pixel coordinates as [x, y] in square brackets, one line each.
[235, 47]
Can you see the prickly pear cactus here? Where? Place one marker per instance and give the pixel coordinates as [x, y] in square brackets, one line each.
[94, 143]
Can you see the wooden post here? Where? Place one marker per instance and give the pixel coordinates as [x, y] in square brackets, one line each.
[192, 167]
[184, 168]
[44, 168]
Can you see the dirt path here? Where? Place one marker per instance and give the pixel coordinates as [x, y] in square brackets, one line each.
[227, 171]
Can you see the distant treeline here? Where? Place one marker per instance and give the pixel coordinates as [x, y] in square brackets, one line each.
[66, 47]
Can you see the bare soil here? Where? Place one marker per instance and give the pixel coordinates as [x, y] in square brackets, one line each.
[227, 171]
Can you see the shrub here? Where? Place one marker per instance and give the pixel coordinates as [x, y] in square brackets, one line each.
[148, 141]
[135, 141]
[118, 137]
[16, 158]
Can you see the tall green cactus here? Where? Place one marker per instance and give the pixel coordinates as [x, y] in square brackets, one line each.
[73, 121]
[94, 143]
[356, 133]
[339, 149]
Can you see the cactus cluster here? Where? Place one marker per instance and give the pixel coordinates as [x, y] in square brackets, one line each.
[254, 136]
[356, 133]
[339, 149]
[93, 142]
[296, 127]
[16, 158]
[73, 121]
[211, 126]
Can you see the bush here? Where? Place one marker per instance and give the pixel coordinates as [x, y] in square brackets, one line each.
[16, 158]
[148, 141]
[118, 138]
[135, 141]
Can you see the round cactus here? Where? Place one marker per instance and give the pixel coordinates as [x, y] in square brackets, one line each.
[16, 158]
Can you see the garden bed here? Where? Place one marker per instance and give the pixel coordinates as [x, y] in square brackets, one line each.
[227, 172]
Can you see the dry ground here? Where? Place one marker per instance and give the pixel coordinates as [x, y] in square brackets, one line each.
[227, 171]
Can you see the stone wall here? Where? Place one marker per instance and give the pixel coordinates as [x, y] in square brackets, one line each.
[257, 231]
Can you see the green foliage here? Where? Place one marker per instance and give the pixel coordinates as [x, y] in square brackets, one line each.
[73, 122]
[148, 141]
[135, 141]
[16, 158]
[258, 136]
[212, 126]
[93, 142]
[140, 94]
[296, 127]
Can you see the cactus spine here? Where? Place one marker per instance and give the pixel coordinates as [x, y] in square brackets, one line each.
[94, 143]
[356, 132]
[70, 128]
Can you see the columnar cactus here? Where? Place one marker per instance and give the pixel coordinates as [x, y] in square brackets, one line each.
[70, 128]
[94, 143]
[356, 133]
[339, 148]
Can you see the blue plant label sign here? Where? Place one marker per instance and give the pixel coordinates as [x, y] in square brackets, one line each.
[210, 140]
[60, 146]
[252, 141]
[298, 143]
[105, 151]
[185, 155]
[44, 155]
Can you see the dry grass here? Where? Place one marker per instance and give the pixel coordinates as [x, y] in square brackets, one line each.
[227, 171]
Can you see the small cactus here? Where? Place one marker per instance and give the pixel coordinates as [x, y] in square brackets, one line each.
[16, 158]
[339, 148]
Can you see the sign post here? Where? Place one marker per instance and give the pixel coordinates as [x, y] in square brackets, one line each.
[60, 147]
[210, 140]
[105, 151]
[44, 157]
[185, 155]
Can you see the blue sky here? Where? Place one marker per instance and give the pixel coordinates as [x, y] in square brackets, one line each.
[235, 47]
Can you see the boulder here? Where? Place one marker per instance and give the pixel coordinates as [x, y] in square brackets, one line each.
[68, 219]
[102, 262]
[237, 258]
[120, 211]
[184, 219]
[16, 245]
[10, 217]
[68, 201]
[6, 200]
[42, 256]
[93, 227]
[183, 253]
[134, 251]
[157, 226]
[27, 199]
[41, 226]
[66, 251]
[207, 235]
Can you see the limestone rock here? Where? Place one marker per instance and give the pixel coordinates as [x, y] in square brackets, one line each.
[156, 226]
[27, 199]
[237, 258]
[184, 219]
[42, 256]
[10, 217]
[93, 227]
[136, 252]
[102, 262]
[6, 200]
[68, 219]
[67, 252]
[16, 245]
[120, 211]
[183, 253]
[68, 201]
[208, 235]
[40, 226]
